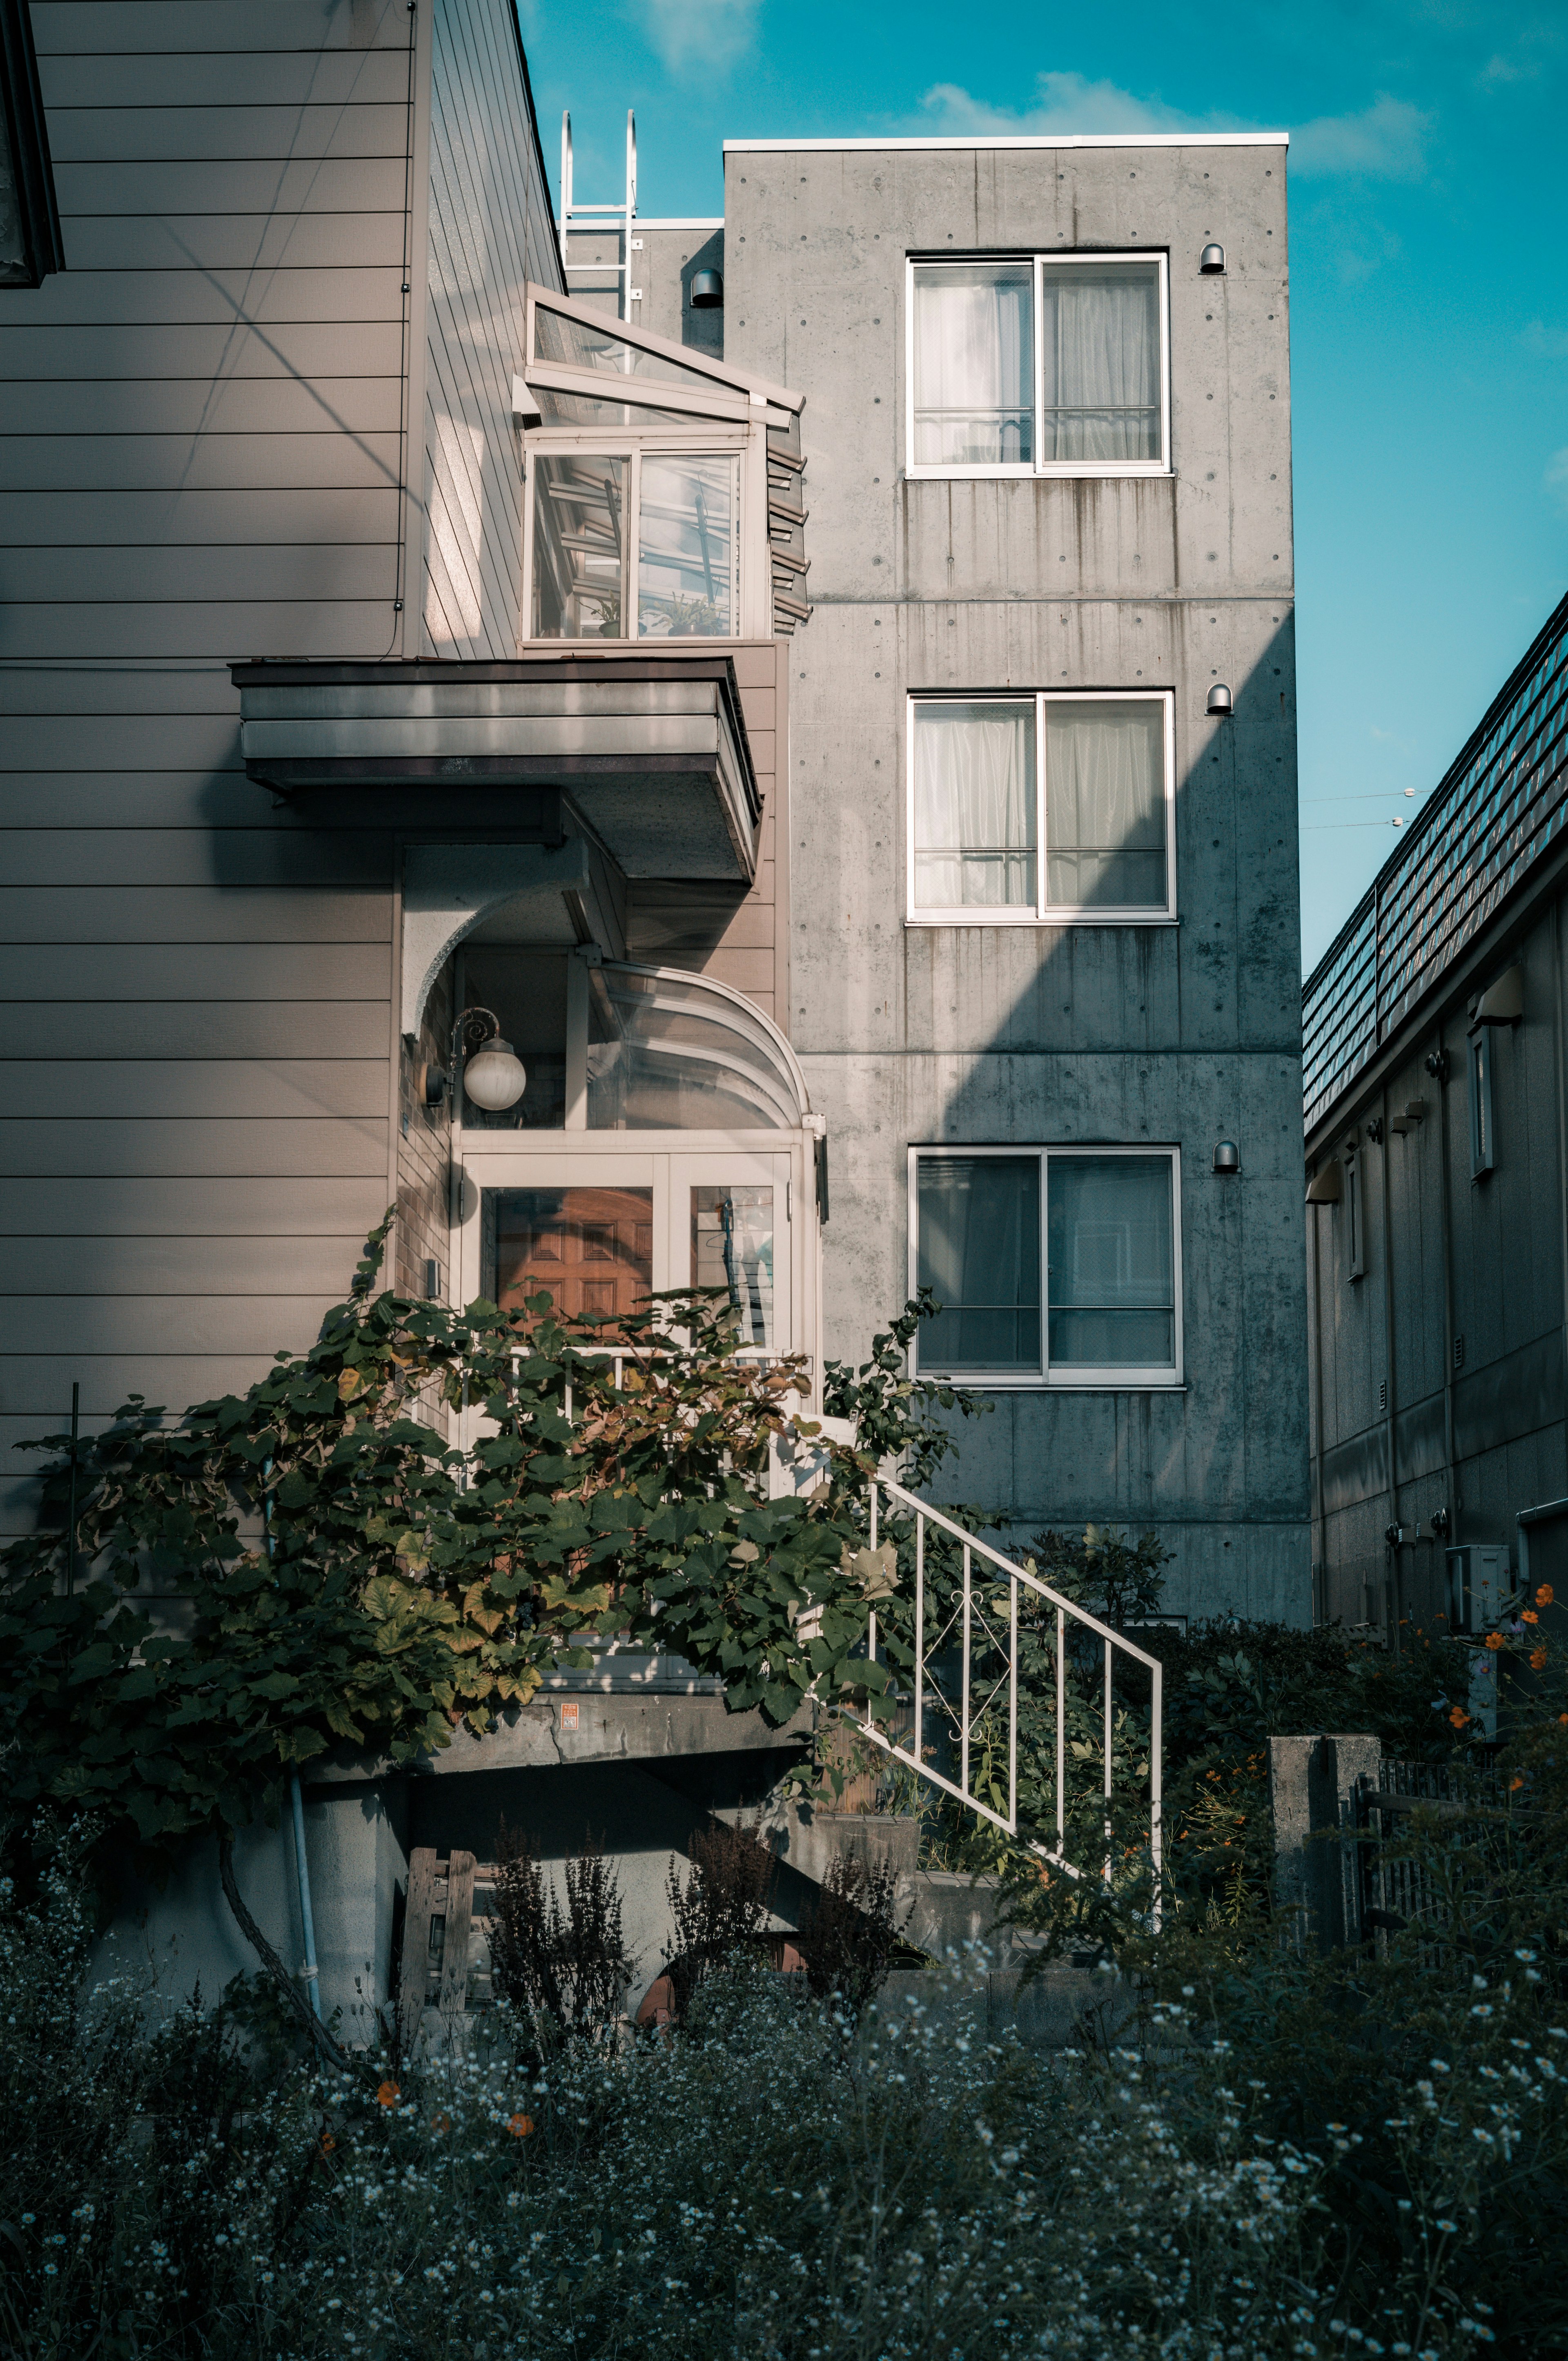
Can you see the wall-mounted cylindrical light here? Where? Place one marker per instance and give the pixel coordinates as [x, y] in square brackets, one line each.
[1219, 707]
[1227, 1156]
[1213, 264]
[706, 291]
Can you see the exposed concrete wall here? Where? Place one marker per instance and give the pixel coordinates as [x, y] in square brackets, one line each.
[665, 256]
[1038, 1035]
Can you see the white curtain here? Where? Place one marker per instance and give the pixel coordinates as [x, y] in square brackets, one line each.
[974, 363]
[1101, 333]
[1105, 805]
[974, 806]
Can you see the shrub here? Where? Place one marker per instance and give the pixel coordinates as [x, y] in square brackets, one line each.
[719, 1909]
[851, 1940]
[567, 1968]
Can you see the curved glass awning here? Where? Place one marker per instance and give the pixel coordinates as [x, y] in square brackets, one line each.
[671, 1051]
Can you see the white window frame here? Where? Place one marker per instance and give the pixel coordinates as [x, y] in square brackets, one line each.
[1037, 467]
[1076, 1377]
[752, 567]
[1045, 913]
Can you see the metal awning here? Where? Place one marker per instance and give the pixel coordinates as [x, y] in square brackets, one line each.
[651, 751]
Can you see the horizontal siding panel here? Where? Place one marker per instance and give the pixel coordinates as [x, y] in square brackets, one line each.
[231, 132]
[32, 1385]
[190, 915]
[195, 1090]
[180, 1028]
[70, 1326]
[124, 741]
[360, 184]
[208, 351]
[44, 688]
[187, 297]
[236, 241]
[317, 569]
[291, 1205]
[213, 800]
[197, 464]
[216, 628]
[179, 1266]
[260, 77]
[216, 970]
[352, 405]
[178, 519]
[105, 26]
[325, 1146]
[231, 873]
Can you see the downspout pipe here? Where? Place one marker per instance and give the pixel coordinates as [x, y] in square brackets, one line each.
[309, 1971]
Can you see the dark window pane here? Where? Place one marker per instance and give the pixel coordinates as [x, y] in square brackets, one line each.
[1112, 1269]
[980, 1254]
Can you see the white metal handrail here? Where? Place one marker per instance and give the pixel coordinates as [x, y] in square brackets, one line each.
[980, 1687]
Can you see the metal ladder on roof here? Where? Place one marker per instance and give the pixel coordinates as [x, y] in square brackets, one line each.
[582, 221]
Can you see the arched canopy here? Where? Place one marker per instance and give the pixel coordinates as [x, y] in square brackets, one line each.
[676, 1051]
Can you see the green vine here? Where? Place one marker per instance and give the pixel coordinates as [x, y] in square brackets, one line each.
[318, 1565]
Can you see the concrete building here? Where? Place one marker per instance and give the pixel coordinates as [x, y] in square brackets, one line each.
[1437, 1196]
[905, 855]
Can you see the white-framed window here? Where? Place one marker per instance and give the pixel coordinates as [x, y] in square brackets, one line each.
[1053, 1266]
[1050, 809]
[1038, 365]
[648, 510]
[634, 531]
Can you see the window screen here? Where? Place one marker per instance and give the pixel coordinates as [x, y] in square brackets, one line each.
[1100, 336]
[1111, 1262]
[980, 1254]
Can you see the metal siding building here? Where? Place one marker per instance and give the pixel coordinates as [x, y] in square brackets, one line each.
[1434, 1140]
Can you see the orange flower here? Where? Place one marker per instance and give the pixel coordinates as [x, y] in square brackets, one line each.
[1529, 1615]
[328, 2143]
[1494, 1639]
[1515, 1782]
[1545, 1595]
[1459, 1717]
[519, 2126]
[442, 2124]
[1563, 1717]
[1537, 1659]
[388, 2094]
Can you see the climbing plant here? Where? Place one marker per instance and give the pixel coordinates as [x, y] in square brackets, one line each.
[336, 1559]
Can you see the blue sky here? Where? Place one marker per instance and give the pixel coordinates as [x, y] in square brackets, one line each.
[1428, 284]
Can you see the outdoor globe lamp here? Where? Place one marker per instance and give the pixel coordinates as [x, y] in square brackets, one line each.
[494, 1076]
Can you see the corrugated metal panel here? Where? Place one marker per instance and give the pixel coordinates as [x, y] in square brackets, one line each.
[1500, 809]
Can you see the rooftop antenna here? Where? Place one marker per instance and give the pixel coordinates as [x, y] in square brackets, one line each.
[595, 221]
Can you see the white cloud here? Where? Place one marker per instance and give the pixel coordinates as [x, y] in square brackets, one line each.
[710, 34]
[1387, 141]
[1557, 478]
[1063, 103]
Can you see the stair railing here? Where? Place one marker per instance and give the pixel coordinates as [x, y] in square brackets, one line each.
[981, 1628]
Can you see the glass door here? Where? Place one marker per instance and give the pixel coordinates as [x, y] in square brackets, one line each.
[729, 1220]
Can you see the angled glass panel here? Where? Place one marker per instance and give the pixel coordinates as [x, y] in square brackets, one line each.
[979, 1253]
[572, 344]
[686, 548]
[558, 408]
[1100, 335]
[974, 806]
[1112, 1263]
[580, 547]
[1105, 805]
[974, 365]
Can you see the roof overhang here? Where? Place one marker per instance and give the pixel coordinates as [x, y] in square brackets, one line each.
[652, 751]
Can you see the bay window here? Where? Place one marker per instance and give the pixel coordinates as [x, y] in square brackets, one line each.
[1051, 809]
[1039, 364]
[1052, 1266]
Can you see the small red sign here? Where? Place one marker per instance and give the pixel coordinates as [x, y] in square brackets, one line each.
[568, 1716]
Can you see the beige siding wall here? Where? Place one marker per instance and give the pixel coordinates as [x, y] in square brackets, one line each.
[202, 429]
[490, 231]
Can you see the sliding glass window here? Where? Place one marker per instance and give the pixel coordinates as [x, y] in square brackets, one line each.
[1039, 364]
[1057, 1266]
[639, 532]
[994, 783]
